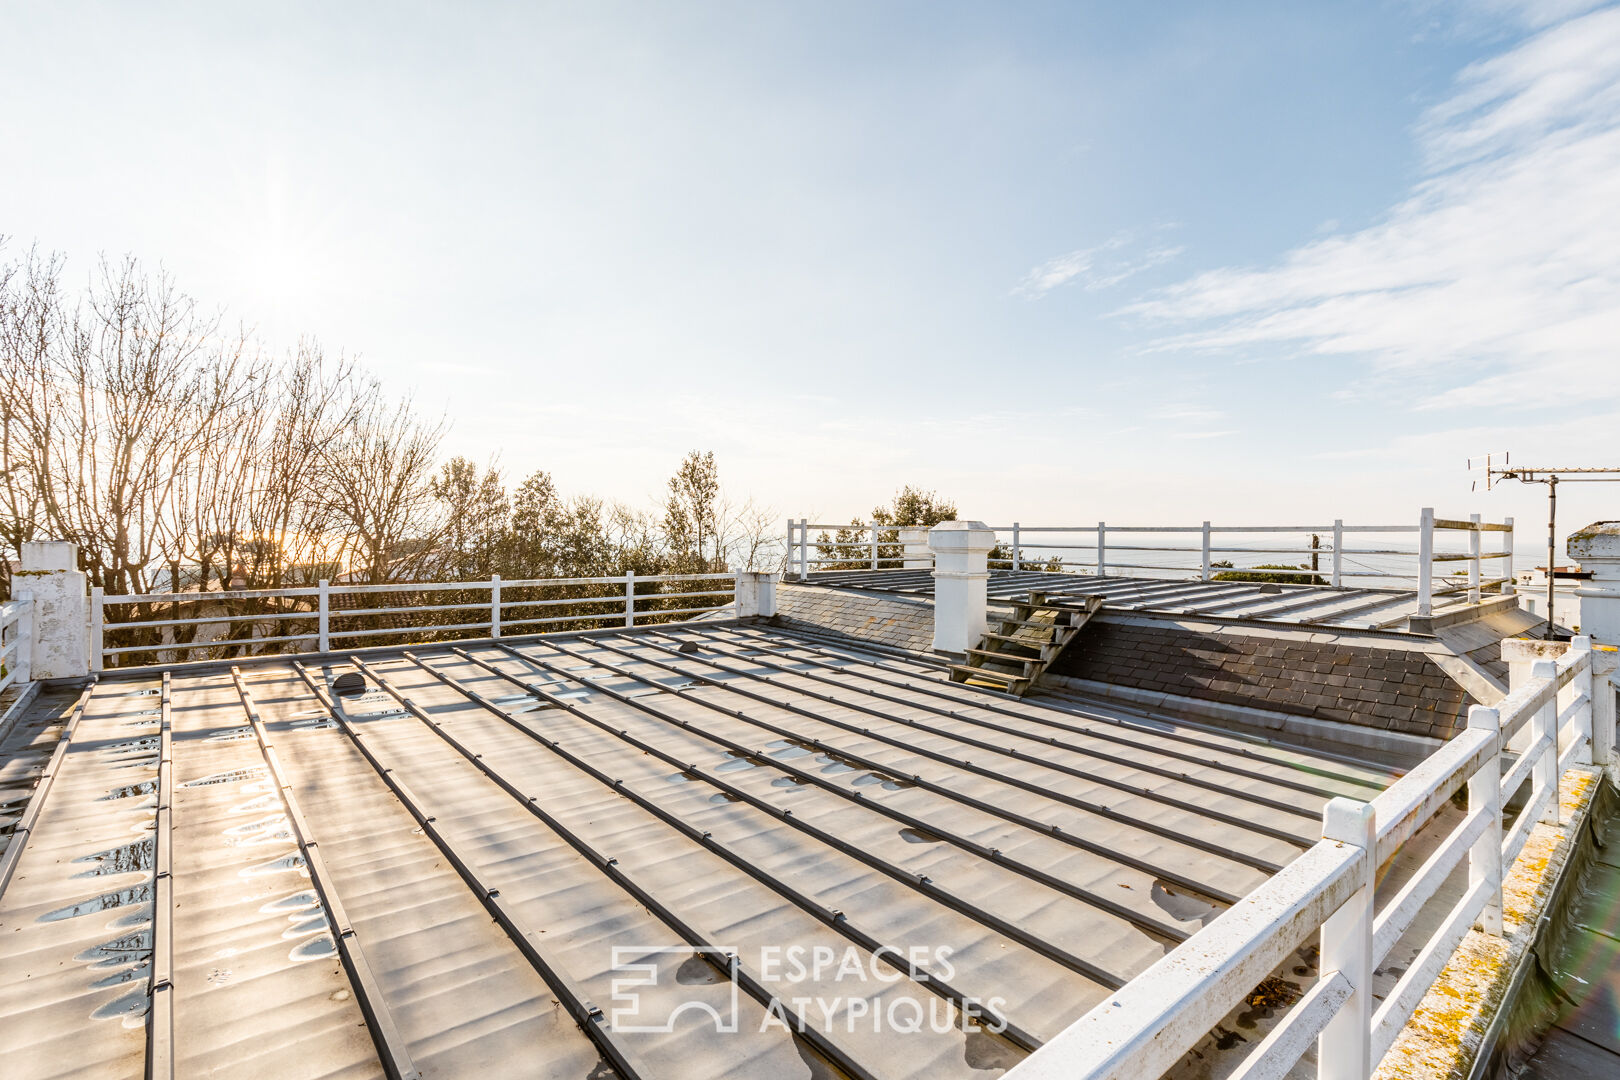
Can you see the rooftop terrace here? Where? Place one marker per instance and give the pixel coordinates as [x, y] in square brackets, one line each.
[500, 831]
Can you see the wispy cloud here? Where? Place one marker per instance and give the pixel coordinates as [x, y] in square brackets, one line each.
[1099, 267]
[1503, 262]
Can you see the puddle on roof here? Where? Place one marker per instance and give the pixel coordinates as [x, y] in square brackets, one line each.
[267, 830]
[136, 856]
[680, 778]
[232, 777]
[136, 894]
[306, 924]
[125, 949]
[724, 797]
[919, 836]
[298, 901]
[232, 735]
[150, 691]
[985, 1052]
[130, 974]
[1182, 906]
[128, 791]
[131, 1009]
[835, 764]
[257, 805]
[788, 749]
[318, 722]
[889, 783]
[315, 948]
[789, 782]
[736, 763]
[291, 861]
[696, 971]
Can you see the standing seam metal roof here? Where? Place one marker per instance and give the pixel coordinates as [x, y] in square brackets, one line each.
[239, 871]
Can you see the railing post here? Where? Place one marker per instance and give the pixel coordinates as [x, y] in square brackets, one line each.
[1017, 563]
[629, 598]
[1485, 790]
[874, 528]
[1544, 776]
[1338, 557]
[97, 622]
[1205, 573]
[22, 658]
[1473, 560]
[1102, 549]
[804, 548]
[495, 605]
[323, 616]
[1426, 561]
[1344, 1049]
[1507, 556]
[1581, 722]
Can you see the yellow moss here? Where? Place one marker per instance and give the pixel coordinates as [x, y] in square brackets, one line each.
[1444, 1034]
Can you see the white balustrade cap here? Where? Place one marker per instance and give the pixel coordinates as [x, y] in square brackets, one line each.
[961, 537]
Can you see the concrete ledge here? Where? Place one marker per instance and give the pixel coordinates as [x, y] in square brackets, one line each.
[1453, 1026]
[1408, 749]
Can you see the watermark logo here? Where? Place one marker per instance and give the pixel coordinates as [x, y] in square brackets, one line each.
[843, 989]
[639, 967]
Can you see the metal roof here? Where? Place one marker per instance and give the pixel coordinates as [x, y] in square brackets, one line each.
[470, 866]
[1309, 605]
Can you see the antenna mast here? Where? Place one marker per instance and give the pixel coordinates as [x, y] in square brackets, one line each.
[1552, 477]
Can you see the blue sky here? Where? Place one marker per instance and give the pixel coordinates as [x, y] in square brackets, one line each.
[1149, 263]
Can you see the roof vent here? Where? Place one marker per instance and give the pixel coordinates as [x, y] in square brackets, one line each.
[349, 684]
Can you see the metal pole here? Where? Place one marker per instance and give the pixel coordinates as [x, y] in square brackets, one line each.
[1485, 791]
[1102, 549]
[1582, 687]
[1316, 546]
[1338, 558]
[1426, 561]
[1473, 560]
[874, 545]
[495, 605]
[1204, 575]
[1544, 774]
[1507, 556]
[1016, 563]
[1344, 1049]
[804, 548]
[324, 617]
[1552, 546]
[98, 642]
[629, 598]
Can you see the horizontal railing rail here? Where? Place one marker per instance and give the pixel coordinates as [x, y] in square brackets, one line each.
[134, 628]
[1325, 557]
[1147, 1026]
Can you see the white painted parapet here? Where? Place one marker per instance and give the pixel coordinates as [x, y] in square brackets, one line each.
[914, 544]
[961, 569]
[50, 573]
[756, 594]
[1597, 549]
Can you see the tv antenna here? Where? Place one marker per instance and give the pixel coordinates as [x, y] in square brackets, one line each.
[1552, 477]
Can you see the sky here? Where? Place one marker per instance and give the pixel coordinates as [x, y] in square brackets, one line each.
[1146, 263]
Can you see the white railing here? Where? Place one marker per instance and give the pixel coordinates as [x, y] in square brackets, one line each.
[1335, 554]
[317, 618]
[16, 640]
[1145, 1028]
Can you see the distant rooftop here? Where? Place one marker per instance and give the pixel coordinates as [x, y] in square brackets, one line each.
[1308, 605]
